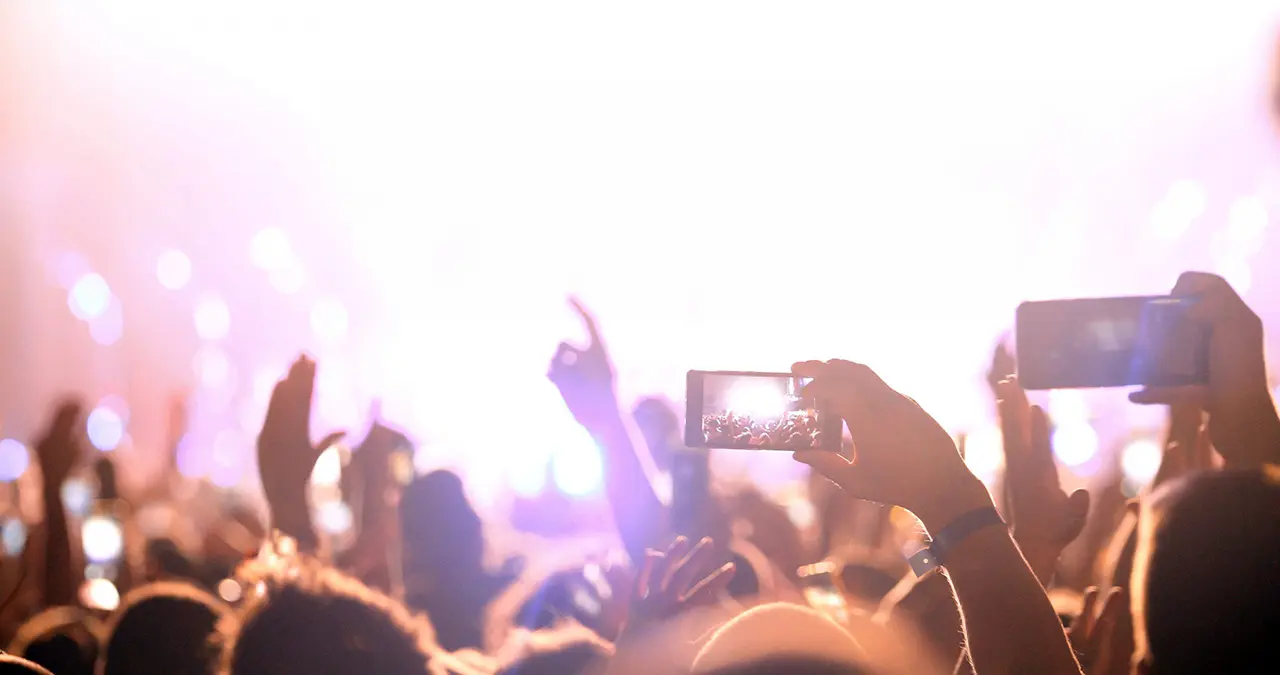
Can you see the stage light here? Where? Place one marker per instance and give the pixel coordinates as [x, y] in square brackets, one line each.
[103, 540]
[578, 471]
[984, 452]
[105, 428]
[270, 249]
[1140, 460]
[329, 321]
[212, 367]
[229, 590]
[213, 318]
[173, 269]
[100, 594]
[107, 328]
[1075, 443]
[89, 297]
[756, 398]
[14, 459]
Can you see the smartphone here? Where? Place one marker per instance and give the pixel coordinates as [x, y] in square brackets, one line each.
[690, 490]
[821, 587]
[756, 411]
[102, 536]
[1110, 342]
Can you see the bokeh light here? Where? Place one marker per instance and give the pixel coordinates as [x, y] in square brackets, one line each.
[329, 321]
[103, 539]
[213, 318]
[1140, 460]
[77, 496]
[105, 428]
[89, 297]
[107, 328]
[1075, 443]
[328, 469]
[14, 536]
[527, 481]
[173, 269]
[14, 459]
[270, 250]
[578, 469]
[230, 591]
[100, 594]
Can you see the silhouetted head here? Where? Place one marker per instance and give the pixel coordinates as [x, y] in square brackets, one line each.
[304, 618]
[164, 628]
[1205, 591]
[442, 532]
[14, 665]
[62, 639]
[779, 638]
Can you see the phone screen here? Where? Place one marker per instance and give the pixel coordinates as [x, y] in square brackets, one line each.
[102, 536]
[1109, 342]
[755, 411]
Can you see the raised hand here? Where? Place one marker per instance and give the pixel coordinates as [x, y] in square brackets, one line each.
[60, 447]
[1243, 424]
[902, 456]
[286, 455]
[1002, 367]
[1044, 518]
[584, 376]
[679, 579]
[1103, 639]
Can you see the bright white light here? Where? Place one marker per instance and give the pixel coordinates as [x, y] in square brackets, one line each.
[1246, 226]
[527, 482]
[107, 328]
[77, 496]
[1237, 273]
[100, 594]
[230, 591]
[270, 249]
[334, 517]
[290, 279]
[802, 513]
[14, 459]
[213, 318]
[105, 428]
[578, 471]
[1184, 202]
[1140, 460]
[173, 269]
[756, 398]
[103, 539]
[329, 321]
[984, 452]
[328, 468]
[212, 366]
[1067, 406]
[89, 297]
[1075, 443]
[14, 536]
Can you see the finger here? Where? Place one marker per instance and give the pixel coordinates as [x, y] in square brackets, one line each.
[1197, 283]
[675, 554]
[1077, 515]
[1190, 395]
[652, 559]
[686, 573]
[593, 333]
[1203, 459]
[1083, 625]
[711, 587]
[1117, 602]
[809, 368]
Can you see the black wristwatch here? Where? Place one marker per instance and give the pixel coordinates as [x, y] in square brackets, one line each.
[950, 536]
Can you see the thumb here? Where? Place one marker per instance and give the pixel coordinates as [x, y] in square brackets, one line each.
[1077, 514]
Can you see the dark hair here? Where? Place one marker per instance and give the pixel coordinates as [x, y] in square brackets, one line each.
[304, 617]
[164, 628]
[1207, 587]
[62, 639]
[13, 665]
[790, 665]
[439, 525]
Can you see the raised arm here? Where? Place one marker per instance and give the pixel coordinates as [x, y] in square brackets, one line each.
[585, 380]
[904, 457]
[58, 450]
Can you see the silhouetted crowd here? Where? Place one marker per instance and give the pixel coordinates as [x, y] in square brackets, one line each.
[794, 429]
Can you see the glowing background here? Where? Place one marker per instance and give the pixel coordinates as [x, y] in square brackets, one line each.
[409, 193]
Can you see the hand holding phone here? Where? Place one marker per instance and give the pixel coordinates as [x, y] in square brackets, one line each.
[756, 411]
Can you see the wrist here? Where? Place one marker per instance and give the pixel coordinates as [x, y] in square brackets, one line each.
[944, 506]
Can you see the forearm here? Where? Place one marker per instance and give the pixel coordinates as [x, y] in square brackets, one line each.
[1253, 440]
[637, 512]
[291, 516]
[60, 576]
[1009, 624]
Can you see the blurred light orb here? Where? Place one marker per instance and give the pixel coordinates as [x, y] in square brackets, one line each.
[329, 321]
[14, 459]
[1140, 460]
[578, 472]
[103, 539]
[173, 269]
[270, 249]
[328, 468]
[1075, 443]
[526, 481]
[212, 367]
[107, 329]
[334, 517]
[229, 590]
[213, 318]
[89, 297]
[752, 397]
[77, 496]
[105, 428]
[14, 536]
[984, 452]
[290, 279]
[100, 594]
